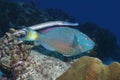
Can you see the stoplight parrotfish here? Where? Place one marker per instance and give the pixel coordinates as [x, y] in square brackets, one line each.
[64, 40]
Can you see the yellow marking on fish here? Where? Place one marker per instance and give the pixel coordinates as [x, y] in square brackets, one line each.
[32, 35]
[29, 34]
[36, 36]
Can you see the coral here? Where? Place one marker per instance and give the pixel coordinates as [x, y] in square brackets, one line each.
[12, 51]
[40, 67]
[89, 68]
[49, 69]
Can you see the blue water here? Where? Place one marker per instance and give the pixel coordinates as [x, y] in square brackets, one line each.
[105, 13]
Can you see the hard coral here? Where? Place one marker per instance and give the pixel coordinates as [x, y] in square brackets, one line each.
[89, 68]
[12, 51]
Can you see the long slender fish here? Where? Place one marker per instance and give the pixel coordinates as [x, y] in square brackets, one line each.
[47, 25]
[52, 23]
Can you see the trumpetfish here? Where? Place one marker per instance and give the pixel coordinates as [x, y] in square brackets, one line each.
[65, 40]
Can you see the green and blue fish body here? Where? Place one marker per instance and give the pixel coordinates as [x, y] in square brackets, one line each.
[64, 40]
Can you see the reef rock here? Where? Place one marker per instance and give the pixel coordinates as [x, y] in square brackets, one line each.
[89, 68]
[49, 68]
[40, 67]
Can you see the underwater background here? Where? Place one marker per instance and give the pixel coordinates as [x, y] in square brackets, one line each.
[103, 13]
[98, 19]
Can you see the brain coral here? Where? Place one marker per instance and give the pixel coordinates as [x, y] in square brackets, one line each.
[89, 68]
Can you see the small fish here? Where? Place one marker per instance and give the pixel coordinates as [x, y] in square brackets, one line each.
[64, 40]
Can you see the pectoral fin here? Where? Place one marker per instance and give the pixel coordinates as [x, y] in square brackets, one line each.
[75, 41]
[76, 44]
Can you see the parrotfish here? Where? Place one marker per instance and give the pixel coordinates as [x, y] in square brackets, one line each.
[65, 40]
